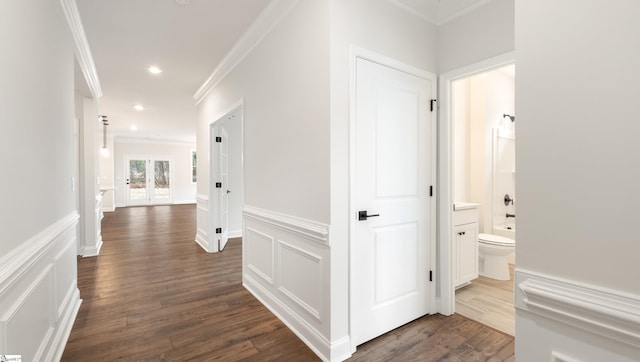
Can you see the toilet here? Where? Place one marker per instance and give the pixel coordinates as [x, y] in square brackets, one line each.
[494, 251]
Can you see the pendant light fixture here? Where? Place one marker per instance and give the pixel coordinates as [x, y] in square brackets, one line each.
[104, 151]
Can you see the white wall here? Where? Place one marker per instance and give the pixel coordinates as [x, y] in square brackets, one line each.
[184, 191]
[38, 293]
[107, 178]
[90, 238]
[483, 33]
[577, 155]
[283, 84]
[461, 140]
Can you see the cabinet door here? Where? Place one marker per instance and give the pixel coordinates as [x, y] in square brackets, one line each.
[467, 253]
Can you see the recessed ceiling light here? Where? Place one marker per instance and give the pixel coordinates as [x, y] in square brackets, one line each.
[138, 107]
[133, 127]
[155, 70]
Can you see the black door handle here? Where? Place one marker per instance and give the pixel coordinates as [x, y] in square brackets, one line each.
[362, 215]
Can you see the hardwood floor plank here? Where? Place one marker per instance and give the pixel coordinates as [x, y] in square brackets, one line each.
[154, 295]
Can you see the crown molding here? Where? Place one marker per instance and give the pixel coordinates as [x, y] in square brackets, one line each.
[431, 19]
[83, 53]
[261, 27]
[442, 13]
[471, 6]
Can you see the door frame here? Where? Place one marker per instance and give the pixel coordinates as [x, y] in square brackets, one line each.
[355, 53]
[235, 113]
[445, 173]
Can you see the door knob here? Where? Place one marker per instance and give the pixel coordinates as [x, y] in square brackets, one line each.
[362, 215]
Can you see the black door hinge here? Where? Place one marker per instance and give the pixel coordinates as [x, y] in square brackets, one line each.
[432, 102]
[218, 185]
[431, 191]
[219, 231]
[430, 275]
[219, 139]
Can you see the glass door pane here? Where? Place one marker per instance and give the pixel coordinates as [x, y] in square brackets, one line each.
[161, 186]
[138, 180]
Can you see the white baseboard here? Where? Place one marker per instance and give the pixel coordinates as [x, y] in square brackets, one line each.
[314, 340]
[235, 233]
[184, 202]
[605, 312]
[202, 239]
[64, 326]
[108, 209]
[90, 251]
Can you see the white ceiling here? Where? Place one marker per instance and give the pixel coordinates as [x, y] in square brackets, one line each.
[187, 42]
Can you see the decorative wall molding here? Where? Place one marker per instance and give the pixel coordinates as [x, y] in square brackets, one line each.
[310, 336]
[202, 201]
[65, 324]
[271, 16]
[593, 309]
[260, 255]
[313, 230]
[285, 265]
[290, 291]
[18, 261]
[83, 52]
[39, 298]
[202, 216]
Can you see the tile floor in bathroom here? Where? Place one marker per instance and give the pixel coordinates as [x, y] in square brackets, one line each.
[489, 302]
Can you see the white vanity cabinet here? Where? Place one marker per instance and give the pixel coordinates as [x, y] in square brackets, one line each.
[465, 243]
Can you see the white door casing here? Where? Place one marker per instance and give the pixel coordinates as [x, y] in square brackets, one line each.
[445, 191]
[394, 170]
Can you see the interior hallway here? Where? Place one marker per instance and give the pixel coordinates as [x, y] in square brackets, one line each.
[154, 294]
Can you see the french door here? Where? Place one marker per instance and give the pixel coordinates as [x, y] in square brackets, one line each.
[148, 180]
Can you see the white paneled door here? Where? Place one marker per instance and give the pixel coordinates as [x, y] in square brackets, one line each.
[394, 171]
[221, 175]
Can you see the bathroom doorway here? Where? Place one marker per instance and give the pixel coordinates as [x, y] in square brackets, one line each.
[478, 194]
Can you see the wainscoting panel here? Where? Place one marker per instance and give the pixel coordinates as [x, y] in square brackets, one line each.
[609, 317]
[285, 265]
[260, 254]
[39, 298]
[306, 293]
[202, 217]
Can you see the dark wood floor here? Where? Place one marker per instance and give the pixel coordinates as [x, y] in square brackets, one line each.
[153, 294]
